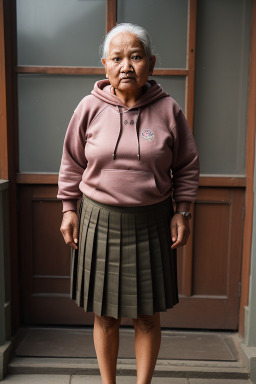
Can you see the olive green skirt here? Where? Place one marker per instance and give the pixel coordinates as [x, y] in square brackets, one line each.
[124, 265]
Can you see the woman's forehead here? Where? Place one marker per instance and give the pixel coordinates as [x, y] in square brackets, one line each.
[124, 41]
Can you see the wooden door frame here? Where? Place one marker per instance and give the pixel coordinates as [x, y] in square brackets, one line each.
[3, 111]
[250, 158]
[9, 131]
[9, 139]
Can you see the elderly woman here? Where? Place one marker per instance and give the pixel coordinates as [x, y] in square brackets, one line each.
[128, 153]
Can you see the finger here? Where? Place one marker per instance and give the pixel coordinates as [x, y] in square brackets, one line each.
[173, 232]
[68, 238]
[181, 234]
[73, 245]
[70, 242]
[180, 239]
[75, 233]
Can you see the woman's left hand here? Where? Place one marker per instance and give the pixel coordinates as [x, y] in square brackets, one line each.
[179, 230]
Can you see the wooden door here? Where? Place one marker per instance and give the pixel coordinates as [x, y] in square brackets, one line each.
[208, 283]
[209, 267]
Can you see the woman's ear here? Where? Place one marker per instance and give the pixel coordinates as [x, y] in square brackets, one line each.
[105, 65]
[152, 64]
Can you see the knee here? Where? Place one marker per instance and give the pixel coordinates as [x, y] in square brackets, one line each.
[145, 323]
[107, 323]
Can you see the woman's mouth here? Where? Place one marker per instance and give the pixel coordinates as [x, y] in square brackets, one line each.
[127, 78]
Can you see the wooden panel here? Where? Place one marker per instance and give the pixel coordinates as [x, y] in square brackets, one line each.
[209, 257]
[214, 299]
[50, 284]
[45, 260]
[50, 254]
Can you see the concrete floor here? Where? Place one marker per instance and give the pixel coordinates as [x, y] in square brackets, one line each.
[49, 356]
[85, 379]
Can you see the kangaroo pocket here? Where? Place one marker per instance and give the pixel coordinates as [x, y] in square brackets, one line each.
[126, 187]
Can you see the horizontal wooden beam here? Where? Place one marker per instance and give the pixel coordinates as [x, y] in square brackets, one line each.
[37, 178]
[55, 70]
[60, 70]
[170, 72]
[222, 181]
[205, 181]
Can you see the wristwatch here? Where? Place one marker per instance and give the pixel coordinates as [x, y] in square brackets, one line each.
[185, 214]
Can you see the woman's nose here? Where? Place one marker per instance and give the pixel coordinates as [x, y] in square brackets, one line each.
[126, 65]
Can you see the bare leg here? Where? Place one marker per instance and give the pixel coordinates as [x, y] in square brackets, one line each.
[147, 345]
[106, 342]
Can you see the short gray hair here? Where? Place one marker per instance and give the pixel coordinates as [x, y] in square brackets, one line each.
[136, 30]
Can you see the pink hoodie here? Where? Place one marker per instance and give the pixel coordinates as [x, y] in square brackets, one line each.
[128, 156]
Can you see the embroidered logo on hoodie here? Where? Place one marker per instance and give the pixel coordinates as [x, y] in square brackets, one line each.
[147, 134]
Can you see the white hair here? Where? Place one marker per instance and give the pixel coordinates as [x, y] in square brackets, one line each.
[136, 30]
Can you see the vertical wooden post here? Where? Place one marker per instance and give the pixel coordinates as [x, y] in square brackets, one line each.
[191, 52]
[11, 156]
[111, 14]
[3, 112]
[250, 156]
[187, 270]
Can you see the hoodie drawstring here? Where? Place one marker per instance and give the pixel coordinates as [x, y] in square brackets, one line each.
[120, 132]
[138, 136]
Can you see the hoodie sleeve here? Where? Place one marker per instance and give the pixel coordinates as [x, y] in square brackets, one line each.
[185, 162]
[73, 164]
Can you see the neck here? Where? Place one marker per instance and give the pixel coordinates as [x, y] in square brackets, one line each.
[128, 99]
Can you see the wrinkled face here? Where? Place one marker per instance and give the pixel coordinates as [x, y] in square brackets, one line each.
[127, 66]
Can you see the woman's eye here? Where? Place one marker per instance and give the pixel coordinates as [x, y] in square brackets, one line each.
[136, 57]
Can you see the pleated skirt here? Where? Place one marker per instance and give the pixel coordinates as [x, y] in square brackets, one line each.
[124, 265]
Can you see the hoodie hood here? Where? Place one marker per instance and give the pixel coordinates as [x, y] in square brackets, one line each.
[153, 92]
[105, 92]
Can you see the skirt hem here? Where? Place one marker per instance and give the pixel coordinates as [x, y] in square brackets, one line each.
[127, 315]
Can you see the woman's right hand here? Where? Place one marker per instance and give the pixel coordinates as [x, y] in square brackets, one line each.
[69, 228]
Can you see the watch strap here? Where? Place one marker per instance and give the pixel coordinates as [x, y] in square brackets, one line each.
[184, 213]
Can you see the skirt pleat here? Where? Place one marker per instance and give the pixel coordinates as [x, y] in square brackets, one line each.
[144, 273]
[156, 268]
[83, 227]
[111, 289]
[173, 271]
[89, 264]
[166, 260]
[101, 238]
[124, 265]
[74, 259]
[127, 303]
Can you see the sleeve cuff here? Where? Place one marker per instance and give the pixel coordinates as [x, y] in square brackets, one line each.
[69, 205]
